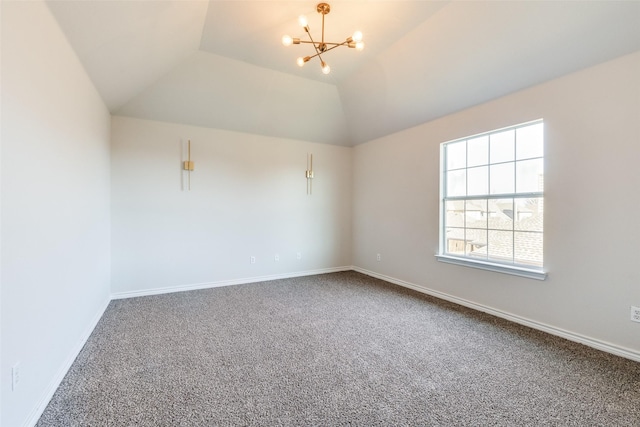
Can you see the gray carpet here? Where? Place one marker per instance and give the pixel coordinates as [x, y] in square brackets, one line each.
[333, 349]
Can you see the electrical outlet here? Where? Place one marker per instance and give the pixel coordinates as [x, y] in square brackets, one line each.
[299, 255]
[15, 376]
[277, 257]
[635, 314]
[378, 257]
[252, 260]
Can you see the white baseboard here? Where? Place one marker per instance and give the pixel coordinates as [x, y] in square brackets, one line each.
[196, 286]
[591, 342]
[35, 415]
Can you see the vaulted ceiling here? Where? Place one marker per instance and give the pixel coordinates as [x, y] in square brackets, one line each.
[221, 64]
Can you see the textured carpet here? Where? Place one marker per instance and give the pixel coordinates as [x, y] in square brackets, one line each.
[333, 349]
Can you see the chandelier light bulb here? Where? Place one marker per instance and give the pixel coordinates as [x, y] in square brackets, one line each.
[325, 68]
[300, 61]
[287, 40]
[302, 20]
[359, 45]
[357, 36]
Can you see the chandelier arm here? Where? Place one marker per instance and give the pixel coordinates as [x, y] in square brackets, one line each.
[328, 43]
[333, 47]
[315, 45]
[313, 56]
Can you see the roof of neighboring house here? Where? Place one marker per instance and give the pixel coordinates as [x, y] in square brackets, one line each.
[494, 237]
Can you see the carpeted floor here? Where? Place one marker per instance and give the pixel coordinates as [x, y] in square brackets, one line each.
[333, 349]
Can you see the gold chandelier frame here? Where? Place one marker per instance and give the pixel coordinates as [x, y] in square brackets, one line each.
[322, 46]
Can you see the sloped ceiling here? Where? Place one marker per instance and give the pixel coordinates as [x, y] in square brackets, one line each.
[220, 64]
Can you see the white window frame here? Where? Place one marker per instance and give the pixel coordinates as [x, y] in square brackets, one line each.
[532, 272]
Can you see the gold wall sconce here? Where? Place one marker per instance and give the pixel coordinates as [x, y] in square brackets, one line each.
[309, 172]
[188, 165]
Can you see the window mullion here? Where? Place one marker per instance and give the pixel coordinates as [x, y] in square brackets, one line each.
[513, 232]
[496, 196]
[513, 199]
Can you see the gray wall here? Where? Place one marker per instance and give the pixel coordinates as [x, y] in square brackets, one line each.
[248, 198]
[55, 207]
[592, 130]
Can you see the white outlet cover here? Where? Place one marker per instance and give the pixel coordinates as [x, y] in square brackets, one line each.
[635, 314]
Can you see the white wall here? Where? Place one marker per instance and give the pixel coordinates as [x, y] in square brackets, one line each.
[55, 207]
[592, 140]
[248, 198]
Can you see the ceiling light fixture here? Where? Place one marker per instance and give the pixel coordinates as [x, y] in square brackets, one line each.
[354, 42]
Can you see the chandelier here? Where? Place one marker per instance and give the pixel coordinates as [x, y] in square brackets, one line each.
[322, 46]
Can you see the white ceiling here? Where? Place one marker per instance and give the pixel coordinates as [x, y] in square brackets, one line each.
[221, 64]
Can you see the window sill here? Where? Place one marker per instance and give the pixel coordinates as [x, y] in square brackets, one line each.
[529, 273]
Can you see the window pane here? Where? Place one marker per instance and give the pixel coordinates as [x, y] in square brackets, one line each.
[478, 181]
[501, 214]
[476, 214]
[456, 183]
[456, 155]
[529, 174]
[528, 214]
[454, 216]
[454, 241]
[528, 248]
[501, 178]
[502, 146]
[476, 243]
[500, 247]
[530, 141]
[478, 151]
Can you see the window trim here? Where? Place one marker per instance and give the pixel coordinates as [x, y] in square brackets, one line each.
[530, 272]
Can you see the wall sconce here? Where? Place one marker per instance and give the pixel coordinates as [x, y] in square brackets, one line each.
[309, 172]
[188, 165]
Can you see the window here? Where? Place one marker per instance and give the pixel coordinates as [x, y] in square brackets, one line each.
[492, 201]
